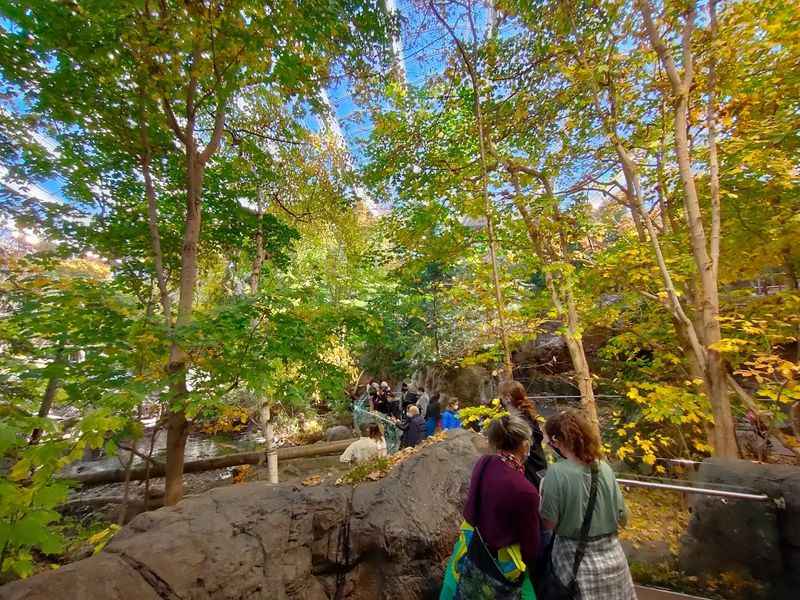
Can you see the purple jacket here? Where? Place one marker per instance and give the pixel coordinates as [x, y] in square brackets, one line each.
[509, 507]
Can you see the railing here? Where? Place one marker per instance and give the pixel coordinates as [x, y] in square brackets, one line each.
[676, 486]
[577, 397]
[693, 490]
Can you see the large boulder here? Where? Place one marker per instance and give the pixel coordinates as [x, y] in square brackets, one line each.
[471, 385]
[375, 540]
[761, 538]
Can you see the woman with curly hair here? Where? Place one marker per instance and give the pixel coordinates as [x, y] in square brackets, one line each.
[515, 399]
[582, 502]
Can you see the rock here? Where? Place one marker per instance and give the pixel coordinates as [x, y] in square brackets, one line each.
[289, 542]
[338, 433]
[471, 386]
[155, 491]
[760, 538]
[547, 351]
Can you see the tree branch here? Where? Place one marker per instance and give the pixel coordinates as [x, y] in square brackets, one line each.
[172, 121]
[216, 136]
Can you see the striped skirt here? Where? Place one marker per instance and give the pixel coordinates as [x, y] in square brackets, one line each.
[603, 574]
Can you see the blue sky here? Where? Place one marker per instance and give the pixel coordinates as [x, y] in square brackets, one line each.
[423, 42]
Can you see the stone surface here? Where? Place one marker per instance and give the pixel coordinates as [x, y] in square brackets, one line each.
[338, 433]
[285, 542]
[539, 364]
[762, 538]
[471, 385]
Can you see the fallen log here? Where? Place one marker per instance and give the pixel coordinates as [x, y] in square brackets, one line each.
[209, 464]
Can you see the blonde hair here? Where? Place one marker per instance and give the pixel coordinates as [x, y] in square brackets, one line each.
[508, 433]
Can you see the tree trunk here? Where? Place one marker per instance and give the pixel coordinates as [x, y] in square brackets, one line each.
[177, 434]
[123, 509]
[711, 123]
[141, 473]
[47, 403]
[436, 347]
[155, 243]
[724, 429]
[260, 256]
[265, 412]
[580, 363]
[637, 223]
[177, 424]
[687, 328]
[265, 416]
[152, 214]
[568, 315]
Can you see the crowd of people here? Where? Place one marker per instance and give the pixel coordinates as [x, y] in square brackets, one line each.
[528, 523]
[413, 410]
[416, 414]
[533, 525]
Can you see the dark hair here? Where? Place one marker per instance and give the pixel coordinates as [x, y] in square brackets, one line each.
[508, 433]
[374, 431]
[434, 408]
[571, 429]
[519, 398]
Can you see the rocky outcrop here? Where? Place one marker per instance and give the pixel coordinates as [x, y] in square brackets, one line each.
[376, 540]
[338, 433]
[470, 386]
[540, 364]
[761, 538]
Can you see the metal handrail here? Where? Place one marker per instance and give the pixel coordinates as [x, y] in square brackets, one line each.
[578, 396]
[693, 490]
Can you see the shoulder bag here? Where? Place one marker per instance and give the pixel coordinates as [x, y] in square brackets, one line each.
[550, 586]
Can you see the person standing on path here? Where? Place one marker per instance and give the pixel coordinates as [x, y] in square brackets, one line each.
[503, 510]
[450, 418]
[515, 398]
[433, 414]
[423, 401]
[603, 573]
[413, 428]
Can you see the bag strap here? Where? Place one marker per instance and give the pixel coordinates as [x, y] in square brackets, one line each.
[587, 522]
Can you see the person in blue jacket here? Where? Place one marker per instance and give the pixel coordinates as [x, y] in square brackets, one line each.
[450, 418]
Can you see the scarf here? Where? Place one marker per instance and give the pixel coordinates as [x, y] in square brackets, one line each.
[511, 461]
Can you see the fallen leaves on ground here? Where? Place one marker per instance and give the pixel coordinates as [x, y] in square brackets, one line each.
[655, 515]
[313, 480]
[241, 473]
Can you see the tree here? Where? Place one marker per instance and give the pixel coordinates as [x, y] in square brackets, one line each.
[706, 256]
[178, 68]
[70, 337]
[484, 146]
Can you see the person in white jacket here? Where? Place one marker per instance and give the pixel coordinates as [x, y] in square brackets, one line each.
[365, 448]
